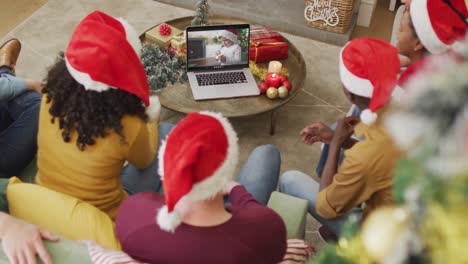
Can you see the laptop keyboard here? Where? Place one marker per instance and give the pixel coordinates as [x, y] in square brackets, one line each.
[221, 78]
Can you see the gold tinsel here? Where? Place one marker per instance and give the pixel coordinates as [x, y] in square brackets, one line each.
[261, 71]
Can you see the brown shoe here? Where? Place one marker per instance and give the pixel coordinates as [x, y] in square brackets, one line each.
[9, 53]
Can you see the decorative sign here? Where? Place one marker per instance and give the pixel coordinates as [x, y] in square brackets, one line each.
[322, 10]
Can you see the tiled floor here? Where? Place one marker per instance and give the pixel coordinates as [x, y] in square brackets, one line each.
[46, 32]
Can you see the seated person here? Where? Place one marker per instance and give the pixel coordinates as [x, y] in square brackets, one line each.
[230, 52]
[19, 113]
[191, 222]
[365, 176]
[21, 241]
[96, 115]
[429, 27]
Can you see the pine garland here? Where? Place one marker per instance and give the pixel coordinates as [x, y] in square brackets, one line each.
[201, 13]
[160, 68]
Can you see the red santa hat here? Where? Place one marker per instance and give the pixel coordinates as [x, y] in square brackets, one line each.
[369, 68]
[437, 25]
[103, 54]
[197, 159]
[230, 34]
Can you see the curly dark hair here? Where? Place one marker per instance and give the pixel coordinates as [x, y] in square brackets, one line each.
[92, 114]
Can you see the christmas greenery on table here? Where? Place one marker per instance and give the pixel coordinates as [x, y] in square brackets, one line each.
[162, 69]
[201, 13]
[428, 223]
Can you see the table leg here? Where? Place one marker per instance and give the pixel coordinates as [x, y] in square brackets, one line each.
[272, 123]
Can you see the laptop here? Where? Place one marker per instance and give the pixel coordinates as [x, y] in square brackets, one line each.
[218, 62]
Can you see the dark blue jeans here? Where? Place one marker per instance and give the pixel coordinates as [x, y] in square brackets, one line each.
[18, 131]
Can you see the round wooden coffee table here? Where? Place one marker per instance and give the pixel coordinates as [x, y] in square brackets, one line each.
[179, 98]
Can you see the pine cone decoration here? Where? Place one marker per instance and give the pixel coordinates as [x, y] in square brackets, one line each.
[165, 30]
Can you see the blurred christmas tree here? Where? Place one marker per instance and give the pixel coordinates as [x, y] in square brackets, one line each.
[201, 13]
[160, 68]
[427, 224]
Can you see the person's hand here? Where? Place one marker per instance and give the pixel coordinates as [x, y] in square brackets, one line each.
[316, 132]
[21, 242]
[344, 130]
[229, 186]
[222, 58]
[34, 85]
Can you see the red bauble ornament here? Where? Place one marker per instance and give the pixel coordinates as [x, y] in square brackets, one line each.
[263, 87]
[288, 85]
[165, 30]
[273, 80]
[283, 78]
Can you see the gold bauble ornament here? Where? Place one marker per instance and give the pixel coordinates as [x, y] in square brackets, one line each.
[272, 93]
[283, 92]
[382, 231]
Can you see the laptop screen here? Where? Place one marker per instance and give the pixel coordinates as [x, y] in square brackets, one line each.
[218, 47]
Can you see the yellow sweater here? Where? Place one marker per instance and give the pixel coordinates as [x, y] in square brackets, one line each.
[365, 176]
[92, 175]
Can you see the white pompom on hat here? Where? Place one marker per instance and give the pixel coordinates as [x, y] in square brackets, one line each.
[437, 25]
[103, 54]
[369, 68]
[197, 159]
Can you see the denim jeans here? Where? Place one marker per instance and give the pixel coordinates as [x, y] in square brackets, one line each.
[301, 185]
[135, 180]
[260, 173]
[18, 131]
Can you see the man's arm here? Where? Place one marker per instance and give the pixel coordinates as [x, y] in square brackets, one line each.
[239, 196]
[21, 241]
[341, 137]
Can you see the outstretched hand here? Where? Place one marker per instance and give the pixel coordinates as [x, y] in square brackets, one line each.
[21, 242]
[344, 129]
[317, 132]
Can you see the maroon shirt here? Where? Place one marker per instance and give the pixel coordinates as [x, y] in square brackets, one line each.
[254, 234]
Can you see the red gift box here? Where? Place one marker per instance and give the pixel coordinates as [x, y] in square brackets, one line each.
[257, 34]
[267, 45]
[267, 50]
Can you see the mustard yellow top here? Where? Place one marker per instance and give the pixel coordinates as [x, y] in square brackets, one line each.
[92, 175]
[365, 176]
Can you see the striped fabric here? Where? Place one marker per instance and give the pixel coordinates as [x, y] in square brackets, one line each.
[100, 255]
[298, 251]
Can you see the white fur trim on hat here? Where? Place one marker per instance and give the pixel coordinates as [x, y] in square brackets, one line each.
[85, 79]
[162, 149]
[423, 26]
[153, 109]
[168, 221]
[225, 173]
[131, 35]
[368, 117]
[353, 83]
[229, 35]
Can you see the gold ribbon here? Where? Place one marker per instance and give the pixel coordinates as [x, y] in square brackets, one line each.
[259, 43]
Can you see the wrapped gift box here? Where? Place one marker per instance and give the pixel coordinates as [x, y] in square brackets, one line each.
[268, 49]
[163, 41]
[257, 34]
[178, 46]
